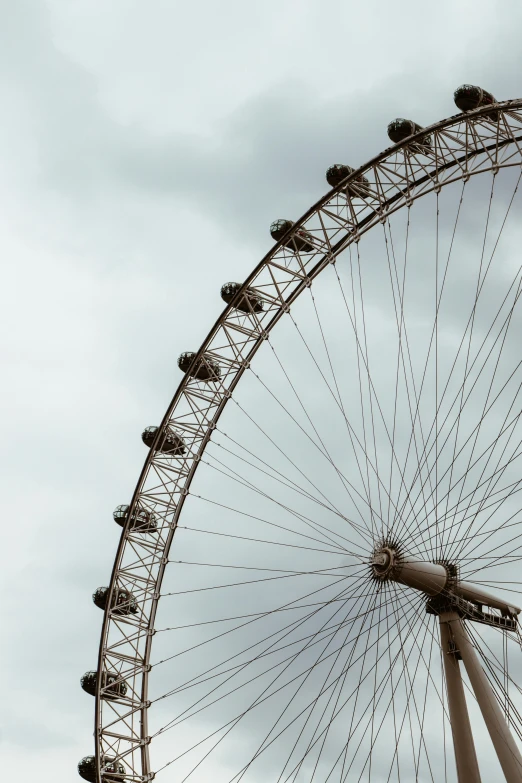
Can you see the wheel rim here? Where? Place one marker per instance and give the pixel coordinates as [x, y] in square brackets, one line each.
[462, 147]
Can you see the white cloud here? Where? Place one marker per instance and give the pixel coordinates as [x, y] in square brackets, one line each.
[145, 150]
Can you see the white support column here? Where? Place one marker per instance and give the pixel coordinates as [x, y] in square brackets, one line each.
[501, 737]
[464, 747]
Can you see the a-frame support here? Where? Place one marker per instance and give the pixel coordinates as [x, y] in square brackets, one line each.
[455, 641]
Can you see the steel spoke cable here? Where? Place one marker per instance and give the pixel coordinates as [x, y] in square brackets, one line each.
[348, 428]
[238, 777]
[342, 685]
[438, 305]
[417, 766]
[359, 374]
[359, 528]
[360, 352]
[337, 551]
[352, 729]
[382, 689]
[244, 616]
[367, 365]
[436, 382]
[482, 504]
[492, 445]
[271, 650]
[284, 479]
[372, 737]
[356, 690]
[482, 417]
[513, 487]
[341, 682]
[463, 549]
[500, 558]
[489, 534]
[402, 329]
[470, 320]
[483, 453]
[394, 712]
[407, 710]
[236, 477]
[473, 313]
[321, 571]
[324, 450]
[341, 549]
[426, 363]
[236, 721]
[248, 582]
[289, 628]
[297, 489]
[351, 429]
[231, 724]
[477, 291]
[240, 716]
[498, 472]
[325, 681]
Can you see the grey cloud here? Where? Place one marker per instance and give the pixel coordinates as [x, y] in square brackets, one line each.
[117, 237]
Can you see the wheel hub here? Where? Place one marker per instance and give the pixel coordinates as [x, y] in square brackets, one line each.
[386, 561]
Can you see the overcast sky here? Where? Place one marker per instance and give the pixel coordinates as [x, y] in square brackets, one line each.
[145, 149]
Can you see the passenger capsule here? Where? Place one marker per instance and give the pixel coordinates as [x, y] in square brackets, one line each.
[207, 369]
[111, 771]
[112, 686]
[468, 97]
[357, 187]
[249, 302]
[123, 602]
[169, 443]
[401, 129]
[298, 241]
[141, 520]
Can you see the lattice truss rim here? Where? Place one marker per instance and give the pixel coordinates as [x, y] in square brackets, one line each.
[462, 146]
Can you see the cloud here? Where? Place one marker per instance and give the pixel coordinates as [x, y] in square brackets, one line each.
[145, 151]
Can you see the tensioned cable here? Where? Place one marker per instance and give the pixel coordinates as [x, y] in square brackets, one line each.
[341, 685]
[402, 328]
[371, 385]
[345, 418]
[374, 595]
[471, 318]
[216, 731]
[356, 690]
[270, 651]
[311, 641]
[234, 721]
[293, 464]
[291, 625]
[426, 363]
[297, 514]
[478, 293]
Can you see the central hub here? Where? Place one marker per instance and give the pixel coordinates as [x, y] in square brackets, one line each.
[388, 563]
[385, 562]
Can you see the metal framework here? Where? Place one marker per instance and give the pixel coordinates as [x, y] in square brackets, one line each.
[462, 146]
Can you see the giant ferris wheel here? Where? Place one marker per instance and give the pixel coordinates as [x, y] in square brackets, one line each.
[331, 509]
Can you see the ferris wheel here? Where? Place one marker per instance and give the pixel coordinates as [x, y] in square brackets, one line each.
[339, 597]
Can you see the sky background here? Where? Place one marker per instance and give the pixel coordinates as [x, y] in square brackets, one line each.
[145, 149]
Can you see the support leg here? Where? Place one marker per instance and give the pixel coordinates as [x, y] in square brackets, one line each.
[501, 737]
[465, 756]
